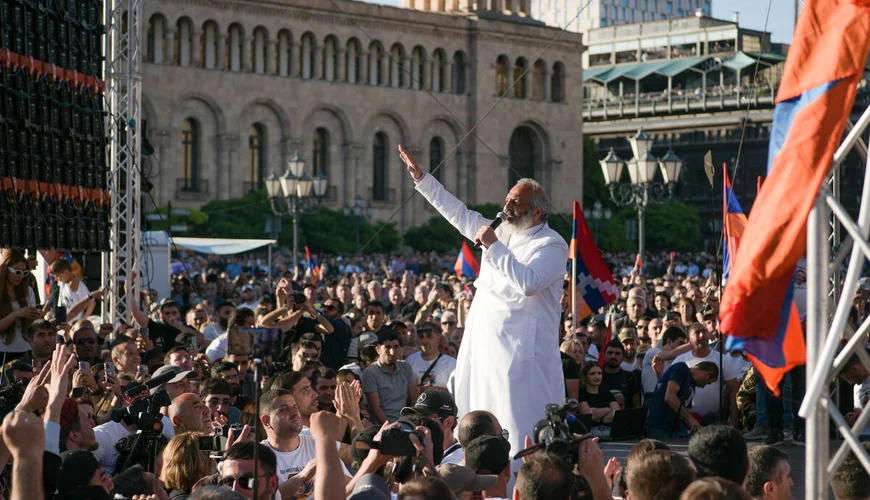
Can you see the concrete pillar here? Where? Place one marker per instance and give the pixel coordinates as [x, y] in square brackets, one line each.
[385, 69]
[407, 65]
[247, 61]
[363, 68]
[295, 70]
[317, 71]
[169, 54]
[196, 48]
[220, 61]
[341, 62]
[425, 78]
[271, 67]
[447, 71]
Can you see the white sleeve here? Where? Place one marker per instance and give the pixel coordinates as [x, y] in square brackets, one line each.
[468, 222]
[545, 268]
[217, 349]
[31, 298]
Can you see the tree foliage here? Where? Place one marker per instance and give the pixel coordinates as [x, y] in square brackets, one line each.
[437, 235]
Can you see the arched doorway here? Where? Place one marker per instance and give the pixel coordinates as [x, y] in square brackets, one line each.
[522, 154]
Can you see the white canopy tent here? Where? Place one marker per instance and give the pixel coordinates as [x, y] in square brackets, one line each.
[157, 246]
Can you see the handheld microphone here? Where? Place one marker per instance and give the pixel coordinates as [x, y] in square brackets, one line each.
[499, 218]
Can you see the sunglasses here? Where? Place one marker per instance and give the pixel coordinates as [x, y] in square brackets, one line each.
[329, 306]
[85, 341]
[425, 333]
[246, 481]
[17, 272]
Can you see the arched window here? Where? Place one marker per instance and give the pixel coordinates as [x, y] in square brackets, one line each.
[539, 80]
[459, 77]
[397, 59]
[184, 42]
[379, 170]
[522, 155]
[257, 156]
[557, 83]
[234, 43]
[258, 50]
[353, 61]
[190, 141]
[283, 56]
[418, 61]
[209, 45]
[436, 156]
[438, 71]
[376, 77]
[330, 58]
[306, 56]
[501, 71]
[156, 34]
[320, 150]
[520, 79]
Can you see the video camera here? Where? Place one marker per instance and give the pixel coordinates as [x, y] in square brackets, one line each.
[141, 409]
[559, 432]
[12, 395]
[395, 441]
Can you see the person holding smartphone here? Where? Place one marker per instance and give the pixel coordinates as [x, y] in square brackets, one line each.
[17, 305]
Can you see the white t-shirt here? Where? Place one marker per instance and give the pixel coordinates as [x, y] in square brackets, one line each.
[212, 331]
[250, 305]
[70, 297]
[862, 397]
[648, 376]
[456, 455]
[629, 366]
[291, 463]
[707, 398]
[439, 374]
[739, 366]
[18, 343]
[110, 433]
[217, 349]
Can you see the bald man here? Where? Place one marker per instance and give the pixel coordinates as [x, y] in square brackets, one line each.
[190, 414]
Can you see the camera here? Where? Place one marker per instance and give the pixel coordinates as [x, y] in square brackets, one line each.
[555, 433]
[141, 408]
[299, 298]
[395, 441]
[12, 395]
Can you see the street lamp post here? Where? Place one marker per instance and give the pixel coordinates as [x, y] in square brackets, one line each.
[598, 216]
[357, 211]
[643, 189]
[295, 194]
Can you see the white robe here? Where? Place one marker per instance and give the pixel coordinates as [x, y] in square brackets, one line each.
[509, 363]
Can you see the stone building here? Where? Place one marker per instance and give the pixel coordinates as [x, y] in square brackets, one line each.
[232, 89]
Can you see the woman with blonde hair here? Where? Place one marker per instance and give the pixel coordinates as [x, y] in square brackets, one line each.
[17, 305]
[184, 464]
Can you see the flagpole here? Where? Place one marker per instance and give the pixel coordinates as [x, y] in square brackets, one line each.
[574, 290]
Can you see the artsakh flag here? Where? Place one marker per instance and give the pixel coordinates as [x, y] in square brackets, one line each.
[608, 334]
[734, 225]
[313, 268]
[466, 263]
[594, 287]
[816, 95]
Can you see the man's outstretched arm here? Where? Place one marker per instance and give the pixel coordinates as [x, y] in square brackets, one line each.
[465, 220]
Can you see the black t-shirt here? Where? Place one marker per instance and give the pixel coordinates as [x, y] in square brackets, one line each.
[600, 400]
[570, 368]
[335, 344]
[623, 381]
[162, 334]
[410, 310]
[303, 326]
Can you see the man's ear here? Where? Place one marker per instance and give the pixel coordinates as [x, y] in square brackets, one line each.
[767, 487]
[265, 420]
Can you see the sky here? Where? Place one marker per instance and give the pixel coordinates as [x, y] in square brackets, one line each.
[752, 15]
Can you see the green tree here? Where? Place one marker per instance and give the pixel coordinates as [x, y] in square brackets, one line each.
[438, 235]
[594, 188]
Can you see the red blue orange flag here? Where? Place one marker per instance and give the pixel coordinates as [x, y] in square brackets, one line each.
[313, 268]
[734, 225]
[466, 263]
[825, 62]
[594, 287]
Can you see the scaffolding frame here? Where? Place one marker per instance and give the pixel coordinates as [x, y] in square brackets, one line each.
[123, 76]
[824, 362]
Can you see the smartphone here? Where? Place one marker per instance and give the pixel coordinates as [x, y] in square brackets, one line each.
[78, 392]
[110, 370]
[143, 370]
[84, 367]
[60, 315]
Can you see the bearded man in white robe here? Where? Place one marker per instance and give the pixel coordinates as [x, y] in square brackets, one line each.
[509, 362]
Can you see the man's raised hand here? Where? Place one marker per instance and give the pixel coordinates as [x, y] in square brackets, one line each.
[413, 169]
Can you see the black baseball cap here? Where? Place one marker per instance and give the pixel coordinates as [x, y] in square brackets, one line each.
[433, 402]
[488, 454]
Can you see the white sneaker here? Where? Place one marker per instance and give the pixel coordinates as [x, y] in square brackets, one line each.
[756, 434]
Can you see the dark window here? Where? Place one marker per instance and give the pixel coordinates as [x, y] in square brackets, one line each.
[257, 154]
[436, 156]
[522, 155]
[321, 151]
[379, 159]
[190, 155]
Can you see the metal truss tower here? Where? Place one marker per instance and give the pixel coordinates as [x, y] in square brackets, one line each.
[825, 359]
[123, 76]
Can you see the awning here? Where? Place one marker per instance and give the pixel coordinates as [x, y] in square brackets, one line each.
[220, 246]
[739, 61]
[677, 66]
[638, 71]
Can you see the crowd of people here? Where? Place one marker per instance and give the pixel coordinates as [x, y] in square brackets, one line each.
[359, 403]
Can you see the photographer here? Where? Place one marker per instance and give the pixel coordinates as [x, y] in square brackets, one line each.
[241, 317]
[165, 331]
[299, 306]
[184, 464]
[217, 395]
[490, 455]
[440, 407]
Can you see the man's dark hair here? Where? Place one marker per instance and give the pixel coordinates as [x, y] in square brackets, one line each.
[597, 324]
[287, 380]
[711, 368]
[645, 478]
[714, 488]
[173, 350]
[673, 334]
[59, 266]
[346, 371]
[764, 462]
[374, 304]
[338, 305]
[322, 372]
[387, 336]
[225, 303]
[37, 326]
[215, 492]
[168, 304]
[615, 344]
[238, 316]
[851, 481]
[269, 397]
[245, 451]
[425, 488]
[641, 448]
[310, 337]
[132, 482]
[475, 424]
[221, 367]
[545, 475]
[719, 451]
[368, 353]
[435, 431]
[214, 386]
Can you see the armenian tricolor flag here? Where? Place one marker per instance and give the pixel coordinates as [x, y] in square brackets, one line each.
[466, 263]
[825, 63]
[594, 287]
[734, 225]
[313, 268]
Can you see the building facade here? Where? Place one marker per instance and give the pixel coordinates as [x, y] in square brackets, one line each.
[600, 13]
[232, 89]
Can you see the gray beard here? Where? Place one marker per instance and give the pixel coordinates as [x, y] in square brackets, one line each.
[524, 221]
